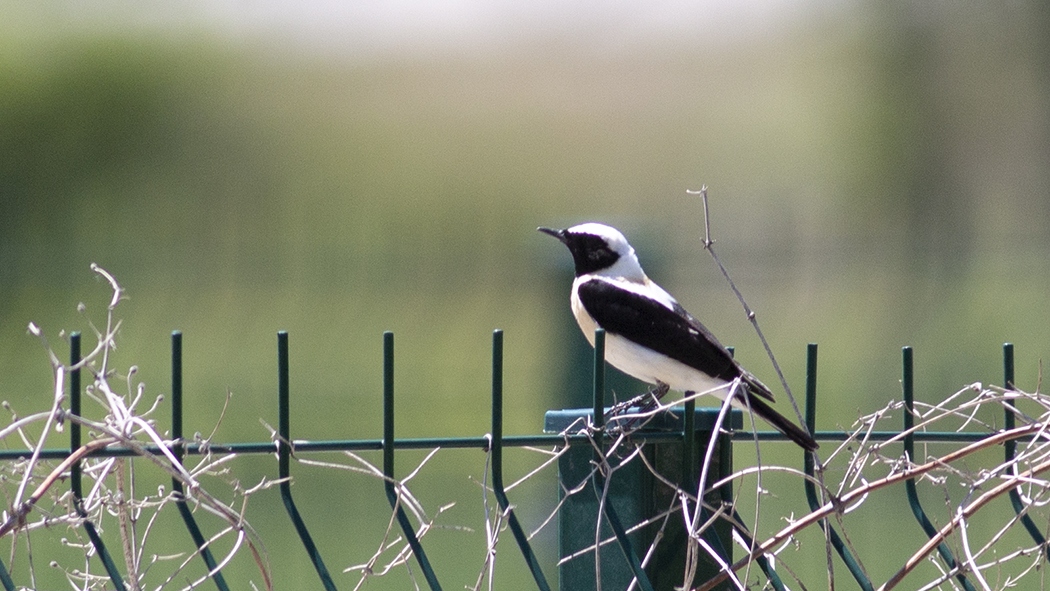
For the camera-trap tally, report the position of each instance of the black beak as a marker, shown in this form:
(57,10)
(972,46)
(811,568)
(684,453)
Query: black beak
(559,234)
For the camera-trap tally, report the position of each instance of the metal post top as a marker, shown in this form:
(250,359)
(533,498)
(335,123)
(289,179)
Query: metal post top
(556,421)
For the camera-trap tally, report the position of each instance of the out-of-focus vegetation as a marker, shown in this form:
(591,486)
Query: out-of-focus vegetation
(878,178)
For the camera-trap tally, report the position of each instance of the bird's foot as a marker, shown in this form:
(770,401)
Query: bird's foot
(651,399)
(642,405)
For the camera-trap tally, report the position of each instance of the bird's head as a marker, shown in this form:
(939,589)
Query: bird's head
(600,249)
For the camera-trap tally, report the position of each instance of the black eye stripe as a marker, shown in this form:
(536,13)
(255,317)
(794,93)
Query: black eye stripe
(591,253)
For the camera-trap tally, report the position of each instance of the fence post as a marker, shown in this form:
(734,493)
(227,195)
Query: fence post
(637,496)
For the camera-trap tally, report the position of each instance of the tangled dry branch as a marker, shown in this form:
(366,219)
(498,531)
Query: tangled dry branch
(124,422)
(995,556)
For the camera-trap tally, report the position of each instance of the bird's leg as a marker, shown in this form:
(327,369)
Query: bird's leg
(655,393)
(620,407)
(660,390)
(654,396)
(644,403)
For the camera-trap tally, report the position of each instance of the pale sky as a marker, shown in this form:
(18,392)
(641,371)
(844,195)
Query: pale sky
(408,25)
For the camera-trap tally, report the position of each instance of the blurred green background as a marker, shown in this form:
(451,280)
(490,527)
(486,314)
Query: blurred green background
(878,176)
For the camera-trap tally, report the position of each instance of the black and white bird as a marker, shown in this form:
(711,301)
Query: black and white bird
(649,335)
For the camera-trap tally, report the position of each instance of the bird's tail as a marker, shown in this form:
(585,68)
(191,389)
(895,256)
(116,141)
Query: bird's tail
(781,423)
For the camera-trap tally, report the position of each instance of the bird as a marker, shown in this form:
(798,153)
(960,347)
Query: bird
(649,335)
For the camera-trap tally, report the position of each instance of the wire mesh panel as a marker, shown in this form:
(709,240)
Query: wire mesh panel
(648,495)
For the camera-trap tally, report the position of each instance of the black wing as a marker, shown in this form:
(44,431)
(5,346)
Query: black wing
(674,333)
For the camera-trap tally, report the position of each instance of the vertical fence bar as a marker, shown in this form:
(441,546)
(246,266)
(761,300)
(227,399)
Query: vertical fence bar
(178,448)
(719,535)
(1011,450)
(75,475)
(809,465)
(1008,383)
(392,493)
(690,480)
(611,515)
(811,393)
(284,452)
(497,464)
(75,478)
(6,580)
(764,562)
(908,388)
(689,476)
(598,385)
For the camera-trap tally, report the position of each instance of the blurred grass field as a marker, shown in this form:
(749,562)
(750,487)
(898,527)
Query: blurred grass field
(874,184)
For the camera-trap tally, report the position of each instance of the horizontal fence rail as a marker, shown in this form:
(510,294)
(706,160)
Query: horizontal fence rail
(284,446)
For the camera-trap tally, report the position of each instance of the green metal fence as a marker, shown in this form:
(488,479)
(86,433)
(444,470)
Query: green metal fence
(677,442)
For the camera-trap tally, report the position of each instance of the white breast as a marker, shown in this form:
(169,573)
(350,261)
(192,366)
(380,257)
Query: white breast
(644,363)
(652,367)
